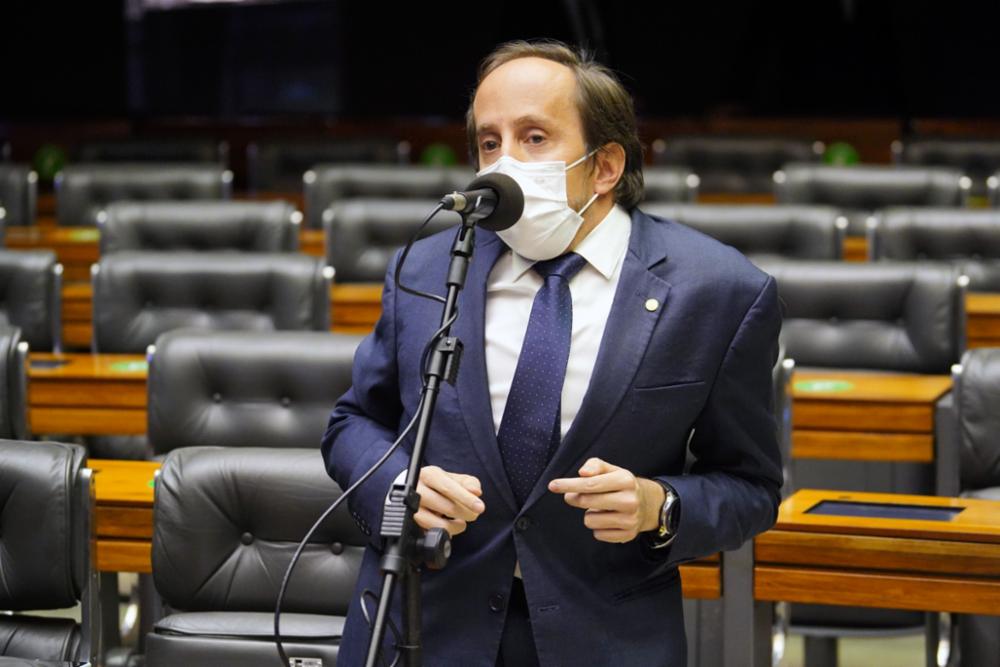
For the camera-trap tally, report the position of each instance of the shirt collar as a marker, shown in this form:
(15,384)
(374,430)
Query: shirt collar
(603,247)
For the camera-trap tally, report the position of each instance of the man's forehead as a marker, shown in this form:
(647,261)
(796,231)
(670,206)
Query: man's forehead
(535,86)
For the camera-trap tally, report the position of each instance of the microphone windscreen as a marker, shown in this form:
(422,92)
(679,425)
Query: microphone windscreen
(510,201)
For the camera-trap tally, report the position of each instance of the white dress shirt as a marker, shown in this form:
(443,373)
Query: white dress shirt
(510,291)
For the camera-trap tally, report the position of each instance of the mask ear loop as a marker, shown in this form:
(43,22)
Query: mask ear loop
(587,205)
(582,159)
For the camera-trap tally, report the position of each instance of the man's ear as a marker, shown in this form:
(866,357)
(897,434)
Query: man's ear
(609,164)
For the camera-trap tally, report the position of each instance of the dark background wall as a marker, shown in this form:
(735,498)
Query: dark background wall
(368,59)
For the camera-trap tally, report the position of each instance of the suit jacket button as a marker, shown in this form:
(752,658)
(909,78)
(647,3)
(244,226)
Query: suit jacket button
(497,602)
(522,524)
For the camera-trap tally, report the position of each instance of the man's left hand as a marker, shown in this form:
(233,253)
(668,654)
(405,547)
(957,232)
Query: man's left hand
(618,504)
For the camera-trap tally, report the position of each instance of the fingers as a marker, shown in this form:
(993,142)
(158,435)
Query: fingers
(440,504)
(617,479)
(626,502)
(596,466)
(427,520)
(447,485)
(597,520)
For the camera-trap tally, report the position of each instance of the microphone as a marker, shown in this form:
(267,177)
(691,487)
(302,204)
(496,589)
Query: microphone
(492,201)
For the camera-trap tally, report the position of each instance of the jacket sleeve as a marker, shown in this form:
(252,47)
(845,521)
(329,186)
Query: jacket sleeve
(366,420)
(733,490)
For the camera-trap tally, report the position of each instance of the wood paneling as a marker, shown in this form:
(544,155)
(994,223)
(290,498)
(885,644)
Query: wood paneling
(882,590)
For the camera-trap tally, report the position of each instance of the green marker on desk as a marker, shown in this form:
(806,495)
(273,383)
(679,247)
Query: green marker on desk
(129,366)
(824,385)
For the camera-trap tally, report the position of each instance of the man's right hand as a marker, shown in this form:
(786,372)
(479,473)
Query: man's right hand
(448,500)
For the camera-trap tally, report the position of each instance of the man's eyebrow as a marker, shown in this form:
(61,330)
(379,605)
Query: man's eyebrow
(526,120)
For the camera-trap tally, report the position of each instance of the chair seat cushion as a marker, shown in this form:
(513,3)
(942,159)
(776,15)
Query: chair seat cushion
(39,638)
(252,625)
(209,639)
(989,493)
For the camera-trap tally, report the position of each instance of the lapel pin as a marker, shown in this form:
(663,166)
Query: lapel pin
(652,305)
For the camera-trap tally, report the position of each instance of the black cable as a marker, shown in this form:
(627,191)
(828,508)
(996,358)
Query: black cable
(406,251)
(305,540)
(375,466)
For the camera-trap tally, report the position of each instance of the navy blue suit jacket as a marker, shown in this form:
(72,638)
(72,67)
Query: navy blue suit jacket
(696,372)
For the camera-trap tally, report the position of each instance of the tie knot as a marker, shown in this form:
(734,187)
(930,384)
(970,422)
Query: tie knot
(565,266)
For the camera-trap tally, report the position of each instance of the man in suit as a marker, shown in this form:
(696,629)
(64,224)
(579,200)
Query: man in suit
(600,345)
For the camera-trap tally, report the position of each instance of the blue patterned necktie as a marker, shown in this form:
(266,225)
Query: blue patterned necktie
(530,429)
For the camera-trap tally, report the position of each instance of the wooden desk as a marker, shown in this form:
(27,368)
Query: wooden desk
(865,416)
(123,522)
(124,526)
(85,394)
(354,308)
(982,311)
(79,247)
(895,563)
(922,565)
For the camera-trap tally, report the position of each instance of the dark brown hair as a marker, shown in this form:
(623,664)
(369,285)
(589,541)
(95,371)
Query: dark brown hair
(605,107)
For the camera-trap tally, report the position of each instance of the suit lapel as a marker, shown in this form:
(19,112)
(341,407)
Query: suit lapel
(623,345)
(473,384)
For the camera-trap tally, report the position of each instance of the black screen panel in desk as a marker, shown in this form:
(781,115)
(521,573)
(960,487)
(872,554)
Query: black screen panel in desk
(885,510)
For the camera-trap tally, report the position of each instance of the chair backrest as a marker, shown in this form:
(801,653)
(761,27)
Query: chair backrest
(735,163)
(280,165)
(31,296)
(84,190)
(154,150)
(969,238)
(976,158)
(327,184)
(45,541)
(225,524)
(139,295)
(669,184)
(883,316)
(859,190)
(362,234)
(977,395)
(200,226)
(18,194)
(799,232)
(245,389)
(13,382)
(993,187)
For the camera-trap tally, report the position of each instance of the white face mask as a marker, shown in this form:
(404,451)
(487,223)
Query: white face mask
(548,225)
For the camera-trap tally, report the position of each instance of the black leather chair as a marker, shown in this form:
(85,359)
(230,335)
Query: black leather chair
(327,184)
(139,295)
(279,165)
(31,296)
(968,238)
(154,150)
(903,317)
(977,395)
(976,158)
(14,382)
(45,535)
(738,164)
(200,226)
(245,389)
(83,190)
(860,190)
(226,522)
(795,232)
(670,184)
(18,194)
(362,234)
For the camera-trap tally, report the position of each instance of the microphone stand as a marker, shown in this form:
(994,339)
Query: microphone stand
(407,547)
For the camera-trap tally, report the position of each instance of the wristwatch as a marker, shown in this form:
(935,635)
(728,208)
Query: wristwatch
(670,513)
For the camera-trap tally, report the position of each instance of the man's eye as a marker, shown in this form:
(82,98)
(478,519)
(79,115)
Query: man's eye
(489,145)
(536,139)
